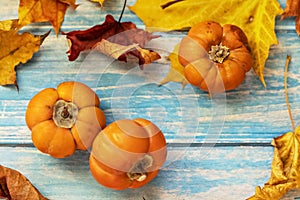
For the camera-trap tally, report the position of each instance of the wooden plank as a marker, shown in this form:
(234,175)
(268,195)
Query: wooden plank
(190,173)
(251,113)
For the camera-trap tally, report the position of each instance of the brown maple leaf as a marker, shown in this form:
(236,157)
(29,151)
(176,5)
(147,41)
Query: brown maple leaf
(292,10)
(52,11)
(14,185)
(120,33)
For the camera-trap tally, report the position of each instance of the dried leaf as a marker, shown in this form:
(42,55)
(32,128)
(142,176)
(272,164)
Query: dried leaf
(16,49)
(255,17)
(285,167)
(124,34)
(9,25)
(101,2)
(14,185)
(292,10)
(112,49)
(52,11)
(176,73)
(123,53)
(285,173)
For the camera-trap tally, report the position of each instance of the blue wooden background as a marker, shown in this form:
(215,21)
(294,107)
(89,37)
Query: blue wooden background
(217,148)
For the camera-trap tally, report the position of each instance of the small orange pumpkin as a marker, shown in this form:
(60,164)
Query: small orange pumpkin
(128,154)
(215,58)
(64,119)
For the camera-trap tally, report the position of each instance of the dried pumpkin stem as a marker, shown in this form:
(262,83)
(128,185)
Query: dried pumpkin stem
(218,53)
(138,171)
(287,62)
(64,114)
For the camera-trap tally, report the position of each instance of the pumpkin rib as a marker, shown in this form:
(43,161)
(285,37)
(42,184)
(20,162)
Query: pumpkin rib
(208,83)
(198,67)
(157,148)
(50,139)
(84,141)
(232,72)
(92,115)
(62,144)
(41,135)
(247,62)
(189,49)
(101,173)
(78,93)
(40,107)
(212,33)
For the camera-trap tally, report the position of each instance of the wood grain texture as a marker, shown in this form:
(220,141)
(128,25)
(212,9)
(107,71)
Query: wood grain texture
(251,113)
(237,127)
(195,173)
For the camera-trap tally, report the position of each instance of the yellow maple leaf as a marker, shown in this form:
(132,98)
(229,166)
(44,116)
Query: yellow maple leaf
(255,17)
(15,49)
(176,73)
(101,2)
(52,11)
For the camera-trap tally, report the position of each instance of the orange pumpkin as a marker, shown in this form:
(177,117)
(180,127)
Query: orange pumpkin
(64,119)
(128,154)
(215,58)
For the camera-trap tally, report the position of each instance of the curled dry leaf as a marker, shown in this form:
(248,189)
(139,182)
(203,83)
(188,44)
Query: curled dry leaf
(292,10)
(15,49)
(120,35)
(255,17)
(52,11)
(285,174)
(126,53)
(14,185)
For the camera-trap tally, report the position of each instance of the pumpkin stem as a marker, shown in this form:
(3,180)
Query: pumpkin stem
(287,62)
(64,114)
(218,53)
(138,171)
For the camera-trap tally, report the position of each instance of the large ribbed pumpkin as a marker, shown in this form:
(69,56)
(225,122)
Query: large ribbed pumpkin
(215,58)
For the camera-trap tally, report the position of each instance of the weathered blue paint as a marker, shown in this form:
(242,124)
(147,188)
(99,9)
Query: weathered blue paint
(251,115)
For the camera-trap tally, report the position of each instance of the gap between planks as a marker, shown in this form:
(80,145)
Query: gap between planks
(174,145)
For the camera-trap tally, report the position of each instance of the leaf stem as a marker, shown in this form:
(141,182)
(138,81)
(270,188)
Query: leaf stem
(123,9)
(287,62)
(168,4)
